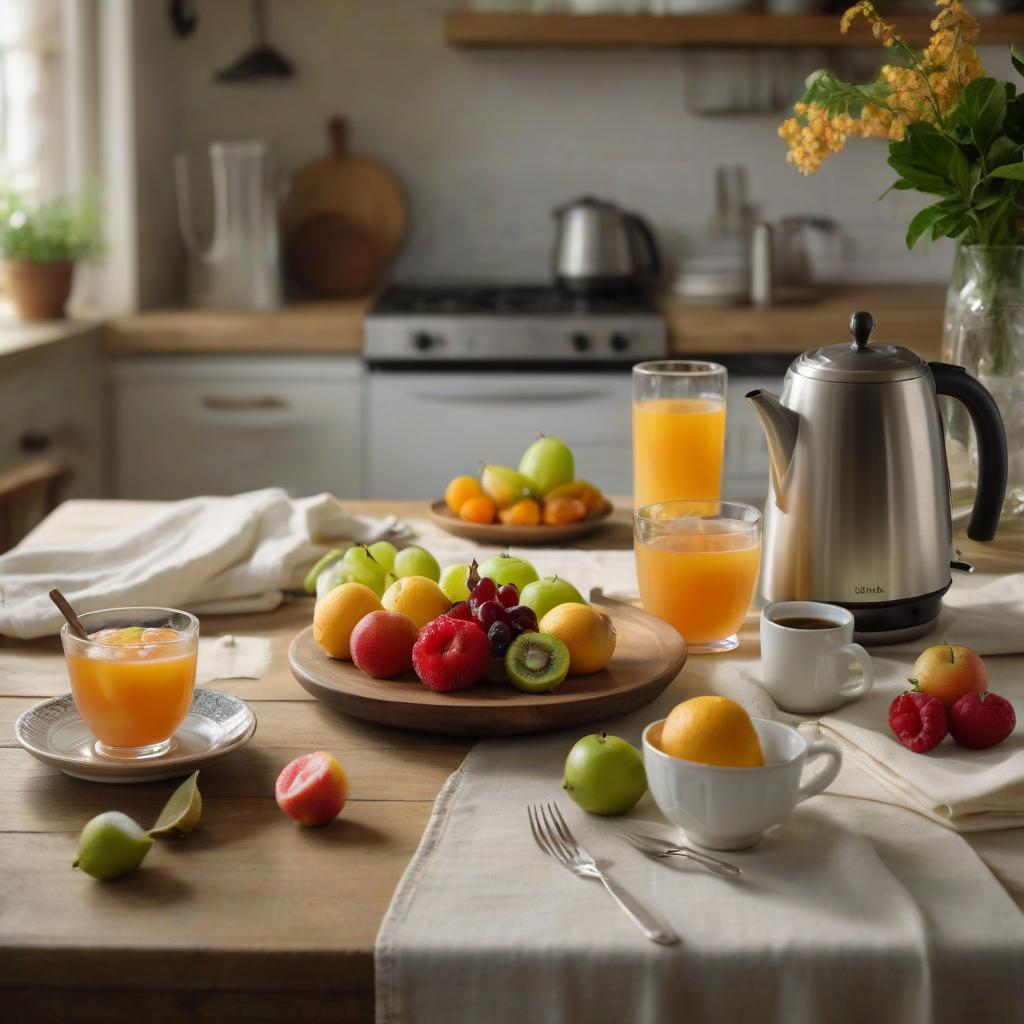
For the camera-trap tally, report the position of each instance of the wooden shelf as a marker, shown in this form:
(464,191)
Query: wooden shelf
(486,29)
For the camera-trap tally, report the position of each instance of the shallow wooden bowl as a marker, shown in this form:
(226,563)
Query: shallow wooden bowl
(500,535)
(649,654)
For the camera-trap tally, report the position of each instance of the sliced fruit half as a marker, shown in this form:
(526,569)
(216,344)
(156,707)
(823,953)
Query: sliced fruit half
(536,662)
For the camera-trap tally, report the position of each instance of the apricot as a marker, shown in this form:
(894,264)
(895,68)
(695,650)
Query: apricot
(312,789)
(478,510)
(522,513)
(564,510)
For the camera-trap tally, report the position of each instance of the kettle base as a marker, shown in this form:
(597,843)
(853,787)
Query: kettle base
(892,636)
(893,622)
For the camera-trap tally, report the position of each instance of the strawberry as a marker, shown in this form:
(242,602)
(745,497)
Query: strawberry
(980,720)
(451,654)
(919,721)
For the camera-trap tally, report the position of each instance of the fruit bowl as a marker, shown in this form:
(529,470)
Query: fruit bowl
(649,654)
(502,535)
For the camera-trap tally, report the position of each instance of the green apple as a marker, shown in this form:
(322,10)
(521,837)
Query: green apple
(416,561)
(543,595)
(508,569)
(361,567)
(547,464)
(604,774)
(384,554)
(453,582)
(111,845)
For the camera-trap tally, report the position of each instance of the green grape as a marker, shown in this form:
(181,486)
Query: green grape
(361,567)
(416,561)
(384,553)
(453,583)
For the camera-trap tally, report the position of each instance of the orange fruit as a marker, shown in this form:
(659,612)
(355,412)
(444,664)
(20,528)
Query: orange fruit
(478,510)
(417,598)
(336,615)
(712,730)
(593,500)
(522,513)
(460,490)
(564,510)
(586,631)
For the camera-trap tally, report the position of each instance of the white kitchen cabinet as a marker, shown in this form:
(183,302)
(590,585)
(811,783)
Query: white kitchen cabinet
(50,407)
(187,425)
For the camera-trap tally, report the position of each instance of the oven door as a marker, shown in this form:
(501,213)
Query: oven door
(423,428)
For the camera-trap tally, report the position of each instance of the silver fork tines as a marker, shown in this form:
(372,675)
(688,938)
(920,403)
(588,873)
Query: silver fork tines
(660,850)
(552,834)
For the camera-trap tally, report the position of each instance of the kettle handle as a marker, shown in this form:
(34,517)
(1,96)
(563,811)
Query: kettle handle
(643,229)
(957,383)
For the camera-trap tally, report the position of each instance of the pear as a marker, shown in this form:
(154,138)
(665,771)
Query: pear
(547,464)
(111,845)
(181,813)
(504,485)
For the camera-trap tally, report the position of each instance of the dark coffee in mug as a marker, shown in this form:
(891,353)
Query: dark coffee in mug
(805,622)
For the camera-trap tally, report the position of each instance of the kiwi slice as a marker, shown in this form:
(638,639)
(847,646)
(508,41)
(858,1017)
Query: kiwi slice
(536,662)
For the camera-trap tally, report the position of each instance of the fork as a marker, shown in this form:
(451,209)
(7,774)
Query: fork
(659,851)
(553,836)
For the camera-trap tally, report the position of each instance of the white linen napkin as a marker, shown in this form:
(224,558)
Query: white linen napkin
(209,555)
(232,657)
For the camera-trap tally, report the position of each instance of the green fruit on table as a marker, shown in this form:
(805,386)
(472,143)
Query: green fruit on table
(604,774)
(453,582)
(384,554)
(508,569)
(362,567)
(504,485)
(547,464)
(331,577)
(416,561)
(111,845)
(182,812)
(321,565)
(548,593)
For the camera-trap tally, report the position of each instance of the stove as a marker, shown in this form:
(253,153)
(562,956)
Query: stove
(512,327)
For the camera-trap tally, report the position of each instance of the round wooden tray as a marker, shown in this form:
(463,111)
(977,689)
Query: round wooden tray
(649,654)
(502,536)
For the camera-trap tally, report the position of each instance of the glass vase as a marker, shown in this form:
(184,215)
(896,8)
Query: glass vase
(984,333)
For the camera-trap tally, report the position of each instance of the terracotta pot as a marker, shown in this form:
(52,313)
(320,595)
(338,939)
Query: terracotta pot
(39,290)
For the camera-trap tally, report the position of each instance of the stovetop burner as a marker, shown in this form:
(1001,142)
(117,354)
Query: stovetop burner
(504,300)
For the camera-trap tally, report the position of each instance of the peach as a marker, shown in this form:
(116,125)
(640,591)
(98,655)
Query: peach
(948,671)
(382,644)
(312,789)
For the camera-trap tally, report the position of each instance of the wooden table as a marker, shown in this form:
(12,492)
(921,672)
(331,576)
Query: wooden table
(252,918)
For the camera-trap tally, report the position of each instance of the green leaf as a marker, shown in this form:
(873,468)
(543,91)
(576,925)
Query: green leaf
(899,185)
(1013,172)
(1017,57)
(931,161)
(1003,151)
(981,110)
(923,222)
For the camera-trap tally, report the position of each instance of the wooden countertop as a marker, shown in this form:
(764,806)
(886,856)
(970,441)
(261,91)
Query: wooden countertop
(908,315)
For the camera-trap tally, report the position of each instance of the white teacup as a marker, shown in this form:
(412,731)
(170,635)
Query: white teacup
(808,670)
(730,808)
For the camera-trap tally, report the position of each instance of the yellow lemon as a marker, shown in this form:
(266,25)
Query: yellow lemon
(417,598)
(712,730)
(587,632)
(337,613)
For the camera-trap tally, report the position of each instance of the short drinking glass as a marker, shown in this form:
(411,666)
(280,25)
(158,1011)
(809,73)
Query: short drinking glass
(697,563)
(678,430)
(133,678)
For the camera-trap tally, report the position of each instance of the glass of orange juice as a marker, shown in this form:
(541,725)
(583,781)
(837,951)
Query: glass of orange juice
(133,678)
(678,430)
(697,563)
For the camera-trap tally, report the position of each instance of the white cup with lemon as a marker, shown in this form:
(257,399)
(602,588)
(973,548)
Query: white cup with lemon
(725,778)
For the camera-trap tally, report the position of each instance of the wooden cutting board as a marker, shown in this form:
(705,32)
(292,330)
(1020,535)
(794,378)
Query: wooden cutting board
(344,220)
(649,654)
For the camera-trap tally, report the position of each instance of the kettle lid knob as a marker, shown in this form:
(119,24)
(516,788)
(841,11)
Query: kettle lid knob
(862,323)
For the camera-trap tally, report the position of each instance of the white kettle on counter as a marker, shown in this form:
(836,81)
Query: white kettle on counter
(241,267)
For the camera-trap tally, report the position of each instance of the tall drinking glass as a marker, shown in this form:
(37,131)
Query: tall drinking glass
(697,563)
(678,430)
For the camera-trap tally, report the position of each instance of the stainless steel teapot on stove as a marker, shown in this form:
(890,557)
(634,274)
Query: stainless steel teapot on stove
(859,510)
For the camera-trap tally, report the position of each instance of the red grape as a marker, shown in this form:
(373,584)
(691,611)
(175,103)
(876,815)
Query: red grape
(460,610)
(524,617)
(485,590)
(500,636)
(508,595)
(491,611)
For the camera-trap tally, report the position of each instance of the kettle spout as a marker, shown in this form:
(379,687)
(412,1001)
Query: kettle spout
(780,427)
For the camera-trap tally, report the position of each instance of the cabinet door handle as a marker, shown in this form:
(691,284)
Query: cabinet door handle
(32,441)
(241,403)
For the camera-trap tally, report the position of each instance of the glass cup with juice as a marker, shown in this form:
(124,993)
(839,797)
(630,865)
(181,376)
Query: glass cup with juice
(697,564)
(678,430)
(134,676)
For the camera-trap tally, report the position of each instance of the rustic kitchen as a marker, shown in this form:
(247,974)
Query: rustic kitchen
(450,442)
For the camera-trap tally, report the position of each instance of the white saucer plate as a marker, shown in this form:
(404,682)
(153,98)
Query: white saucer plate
(54,732)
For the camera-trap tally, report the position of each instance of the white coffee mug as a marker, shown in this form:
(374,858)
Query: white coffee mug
(808,669)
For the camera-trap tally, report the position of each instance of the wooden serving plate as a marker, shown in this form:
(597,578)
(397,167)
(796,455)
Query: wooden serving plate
(649,654)
(500,535)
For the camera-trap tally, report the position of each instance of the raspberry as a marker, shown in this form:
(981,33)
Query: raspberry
(451,654)
(918,720)
(981,720)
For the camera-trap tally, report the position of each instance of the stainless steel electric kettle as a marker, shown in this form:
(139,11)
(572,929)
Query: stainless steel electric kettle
(859,508)
(600,248)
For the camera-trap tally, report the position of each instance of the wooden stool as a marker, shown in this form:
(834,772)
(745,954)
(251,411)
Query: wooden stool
(28,493)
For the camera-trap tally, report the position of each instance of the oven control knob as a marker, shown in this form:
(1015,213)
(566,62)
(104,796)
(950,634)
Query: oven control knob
(619,342)
(422,341)
(580,341)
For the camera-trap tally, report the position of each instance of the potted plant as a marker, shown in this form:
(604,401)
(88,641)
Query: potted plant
(956,136)
(40,242)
